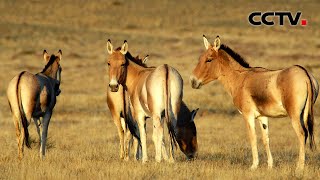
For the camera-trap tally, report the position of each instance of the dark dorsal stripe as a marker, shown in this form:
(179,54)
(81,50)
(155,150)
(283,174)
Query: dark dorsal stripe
(235,56)
(51,61)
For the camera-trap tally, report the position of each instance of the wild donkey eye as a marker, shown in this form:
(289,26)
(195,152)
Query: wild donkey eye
(209,60)
(108,64)
(122,64)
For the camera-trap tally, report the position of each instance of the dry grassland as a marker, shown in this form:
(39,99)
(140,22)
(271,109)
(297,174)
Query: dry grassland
(83,143)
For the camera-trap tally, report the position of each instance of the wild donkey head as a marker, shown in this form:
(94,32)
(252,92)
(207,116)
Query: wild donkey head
(207,68)
(186,131)
(117,65)
(53,68)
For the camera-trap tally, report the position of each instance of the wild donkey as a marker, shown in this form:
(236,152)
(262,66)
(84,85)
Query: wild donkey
(153,92)
(259,93)
(34,96)
(117,102)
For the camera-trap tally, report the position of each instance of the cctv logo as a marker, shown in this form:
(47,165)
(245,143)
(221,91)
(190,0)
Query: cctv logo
(268,18)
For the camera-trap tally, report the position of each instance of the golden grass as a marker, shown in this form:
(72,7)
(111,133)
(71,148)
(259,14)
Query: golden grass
(83,142)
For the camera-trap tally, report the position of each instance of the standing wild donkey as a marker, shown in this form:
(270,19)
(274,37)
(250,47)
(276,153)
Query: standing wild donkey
(34,96)
(185,128)
(116,102)
(259,93)
(155,93)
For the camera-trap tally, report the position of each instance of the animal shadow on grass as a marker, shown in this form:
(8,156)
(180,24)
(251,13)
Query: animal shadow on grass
(243,157)
(226,158)
(35,143)
(290,157)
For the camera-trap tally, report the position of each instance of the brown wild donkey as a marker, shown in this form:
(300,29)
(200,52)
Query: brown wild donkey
(185,129)
(259,93)
(116,103)
(153,92)
(32,97)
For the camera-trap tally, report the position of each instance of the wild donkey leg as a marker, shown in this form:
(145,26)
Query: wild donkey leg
(164,151)
(265,138)
(300,133)
(137,148)
(21,143)
(38,124)
(127,138)
(46,121)
(143,137)
(117,121)
(171,150)
(157,135)
(19,133)
(253,140)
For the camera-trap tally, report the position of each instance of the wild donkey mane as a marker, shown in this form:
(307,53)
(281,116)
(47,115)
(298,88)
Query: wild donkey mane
(235,56)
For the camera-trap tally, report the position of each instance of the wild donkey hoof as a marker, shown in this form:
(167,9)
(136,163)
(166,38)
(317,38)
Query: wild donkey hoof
(270,166)
(158,160)
(42,157)
(121,156)
(299,172)
(171,160)
(144,161)
(126,158)
(254,167)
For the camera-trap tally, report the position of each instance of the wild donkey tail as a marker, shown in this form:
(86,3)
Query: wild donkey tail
(313,90)
(312,94)
(167,111)
(130,121)
(24,121)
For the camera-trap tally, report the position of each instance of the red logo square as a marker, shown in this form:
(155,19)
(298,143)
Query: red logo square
(304,22)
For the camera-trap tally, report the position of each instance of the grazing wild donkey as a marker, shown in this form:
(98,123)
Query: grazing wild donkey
(34,96)
(186,131)
(153,92)
(185,128)
(116,102)
(259,93)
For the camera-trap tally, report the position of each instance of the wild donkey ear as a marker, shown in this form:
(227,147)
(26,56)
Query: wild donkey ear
(217,43)
(145,59)
(206,42)
(109,47)
(60,54)
(46,56)
(124,48)
(194,113)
